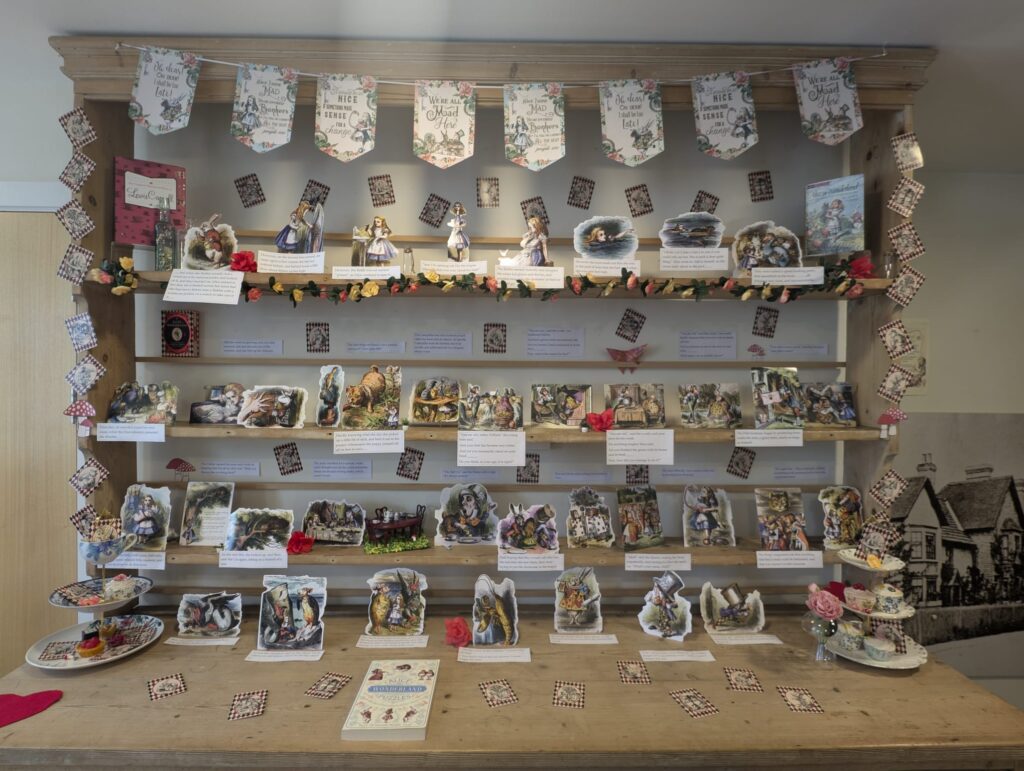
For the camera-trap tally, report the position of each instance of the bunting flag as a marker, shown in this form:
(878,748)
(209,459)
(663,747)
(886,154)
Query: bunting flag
(444,121)
(261,118)
(346,115)
(723,108)
(534,124)
(827,93)
(165,84)
(631,126)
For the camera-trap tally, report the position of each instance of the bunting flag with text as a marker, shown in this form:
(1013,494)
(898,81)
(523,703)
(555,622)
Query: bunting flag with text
(631,126)
(261,118)
(346,115)
(165,84)
(534,124)
(723,107)
(444,121)
(827,93)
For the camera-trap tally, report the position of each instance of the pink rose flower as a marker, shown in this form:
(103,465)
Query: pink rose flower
(784,297)
(632,281)
(106,278)
(823,604)
(729,284)
(254,294)
(576,285)
(491,283)
(465,88)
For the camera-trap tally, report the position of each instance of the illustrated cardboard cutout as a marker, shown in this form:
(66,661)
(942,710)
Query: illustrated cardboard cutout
(844,516)
(639,518)
(222,405)
(780,519)
(692,230)
(373,402)
(590,521)
(337,522)
(434,401)
(500,409)
(636,405)
(210,615)
(153,403)
(560,405)
(291,613)
(710,405)
(258,529)
(209,246)
(829,404)
(204,519)
(605,238)
(728,611)
(273,406)
(707,517)
(397,604)
(666,613)
(578,602)
(778,398)
(332,385)
(765,245)
(466,516)
(533,529)
(495,612)
(146,513)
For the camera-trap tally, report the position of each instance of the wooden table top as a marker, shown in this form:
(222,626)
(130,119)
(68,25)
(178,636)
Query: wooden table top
(930,718)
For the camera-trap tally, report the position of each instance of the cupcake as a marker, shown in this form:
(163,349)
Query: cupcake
(90,646)
(879,648)
(860,599)
(120,587)
(850,635)
(888,599)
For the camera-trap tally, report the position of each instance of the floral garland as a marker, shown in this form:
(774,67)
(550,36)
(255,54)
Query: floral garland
(119,274)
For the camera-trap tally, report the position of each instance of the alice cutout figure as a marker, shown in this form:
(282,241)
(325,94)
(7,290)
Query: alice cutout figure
(380,250)
(458,241)
(534,243)
(305,229)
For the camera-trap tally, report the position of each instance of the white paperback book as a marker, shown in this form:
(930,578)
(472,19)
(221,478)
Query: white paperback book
(393,703)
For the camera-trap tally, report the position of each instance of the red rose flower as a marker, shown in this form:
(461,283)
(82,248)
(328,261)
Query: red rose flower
(576,285)
(838,588)
(600,421)
(254,294)
(729,284)
(862,267)
(244,262)
(300,543)
(456,632)
(395,289)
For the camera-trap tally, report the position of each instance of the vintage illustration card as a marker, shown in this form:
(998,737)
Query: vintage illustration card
(905,196)
(741,679)
(760,184)
(150,403)
(780,519)
(498,693)
(694,703)
(896,339)
(248,704)
(741,462)
(258,529)
(488,192)
(636,405)
(397,605)
(844,516)
(146,512)
(638,197)
(581,191)
(373,402)
(529,474)
(906,241)
(888,488)
(75,264)
(895,383)
(410,463)
(778,399)
(639,517)
(168,685)
(799,700)
(77,171)
(590,522)
(222,405)
(829,404)
(434,401)
(291,613)
(210,615)
(907,152)
(606,238)
(272,406)
(88,477)
(560,405)
(382,191)
(835,215)
(83,518)
(569,694)
(466,516)
(335,522)
(704,202)
(328,406)
(638,474)
(500,409)
(81,332)
(710,405)
(328,685)
(250,191)
(633,672)
(906,286)
(434,209)
(666,613)
(318,337)
(578,602)
(289,461)
(78,128)
(765,245)
(766,319)
(707,517)
(630,325)
(528,529)
(179,334)
(85,374)
(495,612)
(204,519)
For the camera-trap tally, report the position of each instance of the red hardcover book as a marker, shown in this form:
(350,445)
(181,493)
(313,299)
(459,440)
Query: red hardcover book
(138,187)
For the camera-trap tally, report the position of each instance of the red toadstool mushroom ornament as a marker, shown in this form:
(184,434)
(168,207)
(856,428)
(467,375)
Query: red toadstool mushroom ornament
(891,418)
(80,411)
(181,468)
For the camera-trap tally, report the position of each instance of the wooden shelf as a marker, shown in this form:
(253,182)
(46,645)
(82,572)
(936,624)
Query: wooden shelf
(745,554)
(400,485)
(535,434)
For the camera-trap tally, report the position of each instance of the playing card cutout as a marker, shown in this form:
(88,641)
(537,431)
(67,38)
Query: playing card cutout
(741,462)
(705,202)
(760,184)
(826,91)
(328,685)
(89,476)
(495,337)
(887,489)
(633,673)
(896,339)
(83,518)
(410,462)
(765,321)
(569,694)
(85,374)
(78,128)
(630,325)
(250,191)
(638,474)
(895,383)
(639,199)
(75,264)
(443,121)
(315,191)
(487,192)
(434,210)
(534,207)
(905,196)
(82,332)
(632,130)
(530,473)
(318,337)
(799,700)
(581,191)
(248,704)
(168,685)
(907,152)
(906,241)
(742,680)
(382,190)
(77,171)
(498,693)
(693,702)
(288,459)
(906,286)
(75,220)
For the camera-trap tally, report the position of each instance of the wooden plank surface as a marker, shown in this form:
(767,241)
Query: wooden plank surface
(931,718)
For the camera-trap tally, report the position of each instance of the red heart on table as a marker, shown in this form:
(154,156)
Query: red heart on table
(14,707)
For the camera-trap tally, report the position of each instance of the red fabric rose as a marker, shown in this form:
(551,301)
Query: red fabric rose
(600,421)
(456,632)
(300,543)
(254,294)
(244,262)
(862,267)
(838,588)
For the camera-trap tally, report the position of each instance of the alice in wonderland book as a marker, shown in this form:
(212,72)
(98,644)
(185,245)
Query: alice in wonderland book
(393,703)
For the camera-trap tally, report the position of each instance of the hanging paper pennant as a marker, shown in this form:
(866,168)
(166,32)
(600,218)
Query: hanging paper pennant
(534,124)
(264,105)
(165,84)
(829,106)
(444,121)
(723,107)
(346,115)
(631,126)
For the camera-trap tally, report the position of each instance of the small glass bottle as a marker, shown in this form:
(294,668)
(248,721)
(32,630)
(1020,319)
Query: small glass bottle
(165,239)
(408,267)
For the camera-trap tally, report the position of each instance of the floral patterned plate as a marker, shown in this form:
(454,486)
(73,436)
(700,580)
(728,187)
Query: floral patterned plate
(57,651)
(906,611)
(889,563)
(915,656)
(87,595)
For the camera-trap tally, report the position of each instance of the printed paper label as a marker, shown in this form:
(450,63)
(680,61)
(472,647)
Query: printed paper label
(534,124)
(269,657)
(444,121)
(676,656)
(242,347)
(442,343)
(656,562)
(469,654)
(769,437)
(680,260)
(723,107)
(266,558)
(554,343)
(789,559)
(375,346)
(446,268)
(688,473)
(744,639)
(219,287)
(365,272)
(201,641)
(531,562)
(631,125)
(278,262)
(707,344)
(346,115)
(651,446)
(261,118)
(147,191)
(470,474)
(797,351)
(398,641)
(802,472)
(130,432)
(358,442)
(140,560)
(583,639)
(229,469)
(582,477)
(582,266)
(342,469)
(543,278)
(491,448)
(812,276)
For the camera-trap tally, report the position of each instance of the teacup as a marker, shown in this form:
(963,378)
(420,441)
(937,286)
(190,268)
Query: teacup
(850,635)
(102,552)
(860,599)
